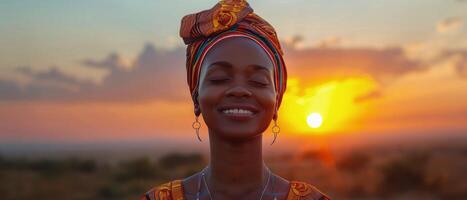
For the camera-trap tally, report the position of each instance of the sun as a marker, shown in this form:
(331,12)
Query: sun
(330,107)
(314,120)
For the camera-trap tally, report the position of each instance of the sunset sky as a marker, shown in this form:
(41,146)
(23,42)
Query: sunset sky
(115,70)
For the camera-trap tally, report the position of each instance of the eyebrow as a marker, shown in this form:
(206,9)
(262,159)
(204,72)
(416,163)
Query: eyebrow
(223,64)
(259,67)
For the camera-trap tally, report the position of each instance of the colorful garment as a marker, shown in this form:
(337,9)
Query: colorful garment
(174,191)
(229,18)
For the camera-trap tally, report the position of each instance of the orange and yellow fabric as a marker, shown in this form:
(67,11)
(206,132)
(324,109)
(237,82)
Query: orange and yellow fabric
(174,191)
(229,18)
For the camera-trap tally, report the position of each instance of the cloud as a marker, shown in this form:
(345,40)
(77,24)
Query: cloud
(458,60)
(462,70)
(51,75)
(113,61)
(318,65)
(369,96)
(449,25)
(158,74)
(155,74)
(51,84)
(331,41)
(321,64)
(9,90)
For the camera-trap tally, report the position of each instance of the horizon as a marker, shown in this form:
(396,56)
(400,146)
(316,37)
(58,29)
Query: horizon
(91,72)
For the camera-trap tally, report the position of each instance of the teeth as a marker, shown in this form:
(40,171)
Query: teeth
(237,111)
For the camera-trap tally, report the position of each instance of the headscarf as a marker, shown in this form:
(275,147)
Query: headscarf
(227,19)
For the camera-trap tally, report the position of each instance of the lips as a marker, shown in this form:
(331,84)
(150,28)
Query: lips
(238,111)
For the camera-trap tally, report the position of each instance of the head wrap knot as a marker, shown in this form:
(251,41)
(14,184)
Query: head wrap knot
(229,18)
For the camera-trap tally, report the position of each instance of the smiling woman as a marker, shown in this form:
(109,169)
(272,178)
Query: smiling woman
(237,78)
(236,92)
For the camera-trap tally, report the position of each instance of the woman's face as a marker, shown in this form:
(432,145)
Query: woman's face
(236,89)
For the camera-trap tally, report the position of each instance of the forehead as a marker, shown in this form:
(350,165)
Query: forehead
(238,52)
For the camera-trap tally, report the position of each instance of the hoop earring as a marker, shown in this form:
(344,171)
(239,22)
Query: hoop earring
(196,125)
(275,130)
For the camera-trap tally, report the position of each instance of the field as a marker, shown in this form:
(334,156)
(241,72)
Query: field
(421,172)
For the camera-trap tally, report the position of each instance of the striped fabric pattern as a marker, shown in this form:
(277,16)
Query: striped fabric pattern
(229,18)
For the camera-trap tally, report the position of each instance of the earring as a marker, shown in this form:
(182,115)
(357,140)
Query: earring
(275,130)
(196,125)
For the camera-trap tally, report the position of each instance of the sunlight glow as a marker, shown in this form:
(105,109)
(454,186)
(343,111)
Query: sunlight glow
(314,120)
(339,103)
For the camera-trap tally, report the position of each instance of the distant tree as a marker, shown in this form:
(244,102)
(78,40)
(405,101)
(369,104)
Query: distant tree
(109,192)
(404,174)
(48,168)
(311,155)
(2,161)
(139,168)
(84,166)
(354,162)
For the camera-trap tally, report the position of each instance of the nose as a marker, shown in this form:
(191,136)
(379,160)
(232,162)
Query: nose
(238,91)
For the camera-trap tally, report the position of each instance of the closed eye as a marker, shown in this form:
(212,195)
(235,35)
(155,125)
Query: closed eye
(259,83)
(218,80)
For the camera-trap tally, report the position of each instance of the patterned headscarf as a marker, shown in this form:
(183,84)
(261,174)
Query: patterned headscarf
(229,18)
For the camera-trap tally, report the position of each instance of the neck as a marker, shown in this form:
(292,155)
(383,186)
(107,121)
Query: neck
(236,168)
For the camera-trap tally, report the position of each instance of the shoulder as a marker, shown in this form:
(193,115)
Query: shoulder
(305,191)
(168,191)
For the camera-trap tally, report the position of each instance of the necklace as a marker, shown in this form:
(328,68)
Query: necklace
(209,192)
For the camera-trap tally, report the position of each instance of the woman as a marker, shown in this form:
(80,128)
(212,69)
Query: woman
(237,78)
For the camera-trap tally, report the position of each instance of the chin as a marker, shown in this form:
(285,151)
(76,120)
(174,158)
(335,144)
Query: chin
(238,133)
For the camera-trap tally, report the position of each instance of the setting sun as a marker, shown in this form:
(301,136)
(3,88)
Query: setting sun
(314,120)
(327,107)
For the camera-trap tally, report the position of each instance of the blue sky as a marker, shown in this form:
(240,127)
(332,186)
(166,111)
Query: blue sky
(48,33)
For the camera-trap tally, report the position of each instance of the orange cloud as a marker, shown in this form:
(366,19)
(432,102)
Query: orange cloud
(318,64)
(448,25)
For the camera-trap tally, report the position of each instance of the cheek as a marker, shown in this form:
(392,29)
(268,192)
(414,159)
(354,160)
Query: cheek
(207,98)
(267,100)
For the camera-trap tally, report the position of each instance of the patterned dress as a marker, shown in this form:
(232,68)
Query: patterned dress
(174,191)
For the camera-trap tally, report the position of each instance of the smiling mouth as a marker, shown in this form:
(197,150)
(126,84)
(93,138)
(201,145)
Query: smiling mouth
(239,112)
